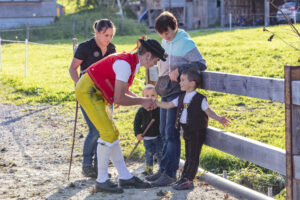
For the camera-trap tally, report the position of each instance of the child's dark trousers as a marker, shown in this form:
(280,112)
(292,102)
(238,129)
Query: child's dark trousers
(193,143)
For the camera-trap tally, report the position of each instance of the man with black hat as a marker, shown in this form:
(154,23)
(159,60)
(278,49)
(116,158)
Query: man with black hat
(107,82)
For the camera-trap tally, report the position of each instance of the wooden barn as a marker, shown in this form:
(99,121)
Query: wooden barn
(15,13)
(194,14)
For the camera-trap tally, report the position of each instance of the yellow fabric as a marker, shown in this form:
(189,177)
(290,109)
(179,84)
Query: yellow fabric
(96,108)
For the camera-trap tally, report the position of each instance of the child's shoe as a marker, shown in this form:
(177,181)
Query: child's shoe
(148,171)
(183,184)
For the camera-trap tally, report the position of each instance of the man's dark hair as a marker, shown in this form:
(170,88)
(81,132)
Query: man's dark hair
(193,74)
(153,47)
(165,20)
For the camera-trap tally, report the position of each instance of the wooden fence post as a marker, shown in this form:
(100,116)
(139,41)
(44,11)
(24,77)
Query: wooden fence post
(292,129)
(74,45)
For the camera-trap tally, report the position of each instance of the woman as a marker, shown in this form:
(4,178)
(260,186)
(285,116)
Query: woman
(87,54)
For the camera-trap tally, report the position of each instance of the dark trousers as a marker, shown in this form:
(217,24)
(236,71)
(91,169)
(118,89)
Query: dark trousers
(171,137)
(193,144)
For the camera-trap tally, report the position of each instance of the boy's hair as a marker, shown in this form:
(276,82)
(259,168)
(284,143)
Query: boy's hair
(193,74)
(165,20)
(148,87)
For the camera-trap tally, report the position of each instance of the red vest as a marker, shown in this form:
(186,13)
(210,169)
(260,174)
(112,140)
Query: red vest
(104,77)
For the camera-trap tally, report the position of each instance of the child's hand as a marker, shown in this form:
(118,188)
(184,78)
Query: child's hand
(224,121)
(139,137)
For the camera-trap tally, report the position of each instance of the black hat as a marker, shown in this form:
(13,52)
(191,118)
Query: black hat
(154,47)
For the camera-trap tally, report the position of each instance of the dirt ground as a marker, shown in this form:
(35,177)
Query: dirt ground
(35,143)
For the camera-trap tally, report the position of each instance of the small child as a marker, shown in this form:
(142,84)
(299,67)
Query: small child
(192,115)
(152,140)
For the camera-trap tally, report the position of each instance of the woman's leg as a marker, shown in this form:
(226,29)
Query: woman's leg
(90,143)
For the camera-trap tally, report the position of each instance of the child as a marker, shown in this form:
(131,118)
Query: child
(192,115)
(152,140)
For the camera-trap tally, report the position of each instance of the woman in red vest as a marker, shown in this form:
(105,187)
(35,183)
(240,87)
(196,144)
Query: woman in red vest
(107,82)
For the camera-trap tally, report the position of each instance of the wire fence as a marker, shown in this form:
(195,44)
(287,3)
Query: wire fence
(27,44)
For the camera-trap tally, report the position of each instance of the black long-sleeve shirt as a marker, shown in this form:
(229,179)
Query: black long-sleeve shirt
(143,118)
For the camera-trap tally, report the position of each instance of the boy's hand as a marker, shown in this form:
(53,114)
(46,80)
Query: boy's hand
(139,137)
(224,121)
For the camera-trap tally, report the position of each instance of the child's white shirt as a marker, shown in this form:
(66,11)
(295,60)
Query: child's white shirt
(187,99)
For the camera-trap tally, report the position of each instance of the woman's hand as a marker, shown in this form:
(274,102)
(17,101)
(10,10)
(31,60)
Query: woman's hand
(149,104)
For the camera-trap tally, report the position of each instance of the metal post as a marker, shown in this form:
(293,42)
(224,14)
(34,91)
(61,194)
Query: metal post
(222,13)
(267,12)
(73,27)
(27,31)
(122,16)
(25,70)
(230,21)
(1,54)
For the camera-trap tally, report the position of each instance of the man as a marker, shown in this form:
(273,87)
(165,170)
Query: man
(107,82)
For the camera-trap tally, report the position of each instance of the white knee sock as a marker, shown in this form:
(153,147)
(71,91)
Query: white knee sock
(104,152)
(116,157)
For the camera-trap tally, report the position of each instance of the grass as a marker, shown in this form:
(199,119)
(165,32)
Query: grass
(240,51)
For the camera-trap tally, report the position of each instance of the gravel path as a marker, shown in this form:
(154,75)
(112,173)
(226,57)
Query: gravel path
(35,143)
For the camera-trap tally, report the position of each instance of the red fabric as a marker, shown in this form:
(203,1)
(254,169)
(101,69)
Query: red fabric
(104,77)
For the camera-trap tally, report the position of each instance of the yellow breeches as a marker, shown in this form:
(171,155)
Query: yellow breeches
(97,108)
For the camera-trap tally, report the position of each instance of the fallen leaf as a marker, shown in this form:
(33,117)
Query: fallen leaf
(226,196)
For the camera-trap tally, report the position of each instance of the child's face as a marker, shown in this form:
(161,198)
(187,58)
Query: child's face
(185,84)
(150,93)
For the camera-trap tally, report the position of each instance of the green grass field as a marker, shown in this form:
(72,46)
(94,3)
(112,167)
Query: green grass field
(240,51)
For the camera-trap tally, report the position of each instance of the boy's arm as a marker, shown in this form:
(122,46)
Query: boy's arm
(165,105)
(222,119)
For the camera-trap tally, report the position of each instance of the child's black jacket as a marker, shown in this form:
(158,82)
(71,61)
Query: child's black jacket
(143,118)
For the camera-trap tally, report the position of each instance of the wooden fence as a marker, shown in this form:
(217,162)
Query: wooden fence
(287,90)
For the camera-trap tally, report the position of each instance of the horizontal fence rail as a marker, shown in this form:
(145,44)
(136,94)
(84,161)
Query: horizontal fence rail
(264,155)
(251,86)
(272,89)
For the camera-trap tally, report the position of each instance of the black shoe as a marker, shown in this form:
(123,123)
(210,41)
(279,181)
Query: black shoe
(154,176)
(163,180)
(89,171)
(108,186)
(134,182)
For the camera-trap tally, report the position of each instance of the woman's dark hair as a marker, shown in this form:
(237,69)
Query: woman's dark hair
(165,20)
(193,74)
(103,24)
